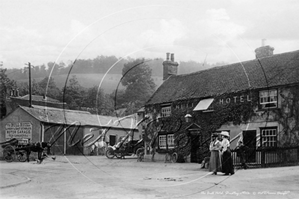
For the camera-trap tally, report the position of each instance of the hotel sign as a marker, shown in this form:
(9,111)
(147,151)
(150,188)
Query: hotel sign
(235,99)
(21,130)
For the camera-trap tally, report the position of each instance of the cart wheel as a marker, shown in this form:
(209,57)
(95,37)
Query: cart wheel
(174,157)
(140,154)
(8,153)
(21,156)
(110,153)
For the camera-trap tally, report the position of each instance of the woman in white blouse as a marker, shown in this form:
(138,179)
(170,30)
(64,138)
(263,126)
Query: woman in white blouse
(227,164)
(215,157)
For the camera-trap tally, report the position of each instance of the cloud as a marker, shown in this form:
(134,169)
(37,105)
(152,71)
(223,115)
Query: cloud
(271,19)
(214,31)
(280,25)
(20,44)
(169,31)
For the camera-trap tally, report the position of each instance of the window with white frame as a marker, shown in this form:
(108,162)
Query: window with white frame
(170,141)
(166,111)
(162,142)
(166,141)
(269,137)
(268,99)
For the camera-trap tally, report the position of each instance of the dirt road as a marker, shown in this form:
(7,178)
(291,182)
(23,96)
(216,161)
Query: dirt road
(73,177)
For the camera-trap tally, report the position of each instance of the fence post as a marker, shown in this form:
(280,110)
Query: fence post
(298,154)
(263,157)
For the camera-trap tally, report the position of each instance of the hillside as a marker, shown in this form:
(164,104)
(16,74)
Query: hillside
(109,82)
(90,72)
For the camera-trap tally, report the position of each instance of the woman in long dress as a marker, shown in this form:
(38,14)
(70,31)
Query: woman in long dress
(215,158)
(227,164)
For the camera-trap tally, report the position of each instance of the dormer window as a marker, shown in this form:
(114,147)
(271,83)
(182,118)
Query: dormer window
(166,110)
(268,99)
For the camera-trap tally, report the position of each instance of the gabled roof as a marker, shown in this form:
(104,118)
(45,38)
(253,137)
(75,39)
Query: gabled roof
(276,70)
(84,118)
(39,98)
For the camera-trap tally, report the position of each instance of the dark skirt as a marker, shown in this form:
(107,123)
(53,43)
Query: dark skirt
(227,165)
(215,161)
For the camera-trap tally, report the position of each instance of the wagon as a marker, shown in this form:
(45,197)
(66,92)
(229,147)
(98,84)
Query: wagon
(11,152)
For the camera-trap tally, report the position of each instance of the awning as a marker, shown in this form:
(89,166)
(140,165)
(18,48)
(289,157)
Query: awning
(203,104)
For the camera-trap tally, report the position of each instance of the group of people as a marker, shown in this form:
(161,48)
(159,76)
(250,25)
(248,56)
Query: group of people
(220,158)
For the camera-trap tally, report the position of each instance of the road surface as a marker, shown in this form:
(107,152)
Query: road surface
(94,177)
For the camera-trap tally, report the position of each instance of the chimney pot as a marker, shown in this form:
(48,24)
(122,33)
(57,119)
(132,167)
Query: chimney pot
(168,56)
(263,51)
(263,42)
(172,56)
(169,67)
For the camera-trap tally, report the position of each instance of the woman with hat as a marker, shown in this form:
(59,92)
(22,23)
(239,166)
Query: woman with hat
(227,165)
(215,157)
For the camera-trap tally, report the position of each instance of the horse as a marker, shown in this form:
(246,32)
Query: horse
(98,145)
(38,147)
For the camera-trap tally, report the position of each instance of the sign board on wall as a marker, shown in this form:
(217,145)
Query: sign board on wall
(20,131)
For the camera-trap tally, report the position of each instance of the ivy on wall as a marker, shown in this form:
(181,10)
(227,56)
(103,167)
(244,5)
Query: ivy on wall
(223,113)
(209,122)
(288,117)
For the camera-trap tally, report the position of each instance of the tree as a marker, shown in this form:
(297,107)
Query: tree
(56,67)
(5,85)
(107,106)
(49,86)
(73,93)
(138,82)
(97,102)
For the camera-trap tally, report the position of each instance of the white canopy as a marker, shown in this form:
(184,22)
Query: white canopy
(203,104)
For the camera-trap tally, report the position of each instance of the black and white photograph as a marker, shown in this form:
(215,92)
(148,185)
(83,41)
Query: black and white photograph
(140,99)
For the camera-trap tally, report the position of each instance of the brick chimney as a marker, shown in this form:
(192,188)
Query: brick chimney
(170,67)
(263,51)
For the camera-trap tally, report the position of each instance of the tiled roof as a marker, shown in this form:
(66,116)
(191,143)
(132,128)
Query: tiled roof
(39,98)
(276,70)
(84,118)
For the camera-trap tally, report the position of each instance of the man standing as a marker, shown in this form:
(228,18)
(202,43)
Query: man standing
(241,153)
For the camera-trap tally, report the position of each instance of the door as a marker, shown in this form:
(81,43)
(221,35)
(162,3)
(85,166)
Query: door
(112,140)
(195,148)
(73,134)
(54,135)
(249,139)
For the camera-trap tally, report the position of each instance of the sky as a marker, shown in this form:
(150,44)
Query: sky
(40,31)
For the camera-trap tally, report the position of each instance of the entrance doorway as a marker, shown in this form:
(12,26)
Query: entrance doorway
(195,148)
(249,139)
(112,140)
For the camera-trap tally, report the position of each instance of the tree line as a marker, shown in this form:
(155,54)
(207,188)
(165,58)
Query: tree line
(100,65)
(136,78)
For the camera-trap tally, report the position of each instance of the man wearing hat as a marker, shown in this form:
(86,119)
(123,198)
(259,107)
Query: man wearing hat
(241,153)
(227,164)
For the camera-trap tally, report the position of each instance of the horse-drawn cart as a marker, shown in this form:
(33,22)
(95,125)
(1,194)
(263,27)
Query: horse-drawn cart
(21,150)
(12,150)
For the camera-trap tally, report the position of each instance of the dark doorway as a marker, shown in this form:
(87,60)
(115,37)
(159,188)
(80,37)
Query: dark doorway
(54,134)
(112,140)
(73,134)
(195,148)
(249,139)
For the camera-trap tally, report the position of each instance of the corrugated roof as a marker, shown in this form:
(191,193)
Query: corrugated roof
(84,118)
(276,70)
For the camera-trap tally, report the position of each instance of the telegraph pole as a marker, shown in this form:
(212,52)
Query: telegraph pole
(29,71)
